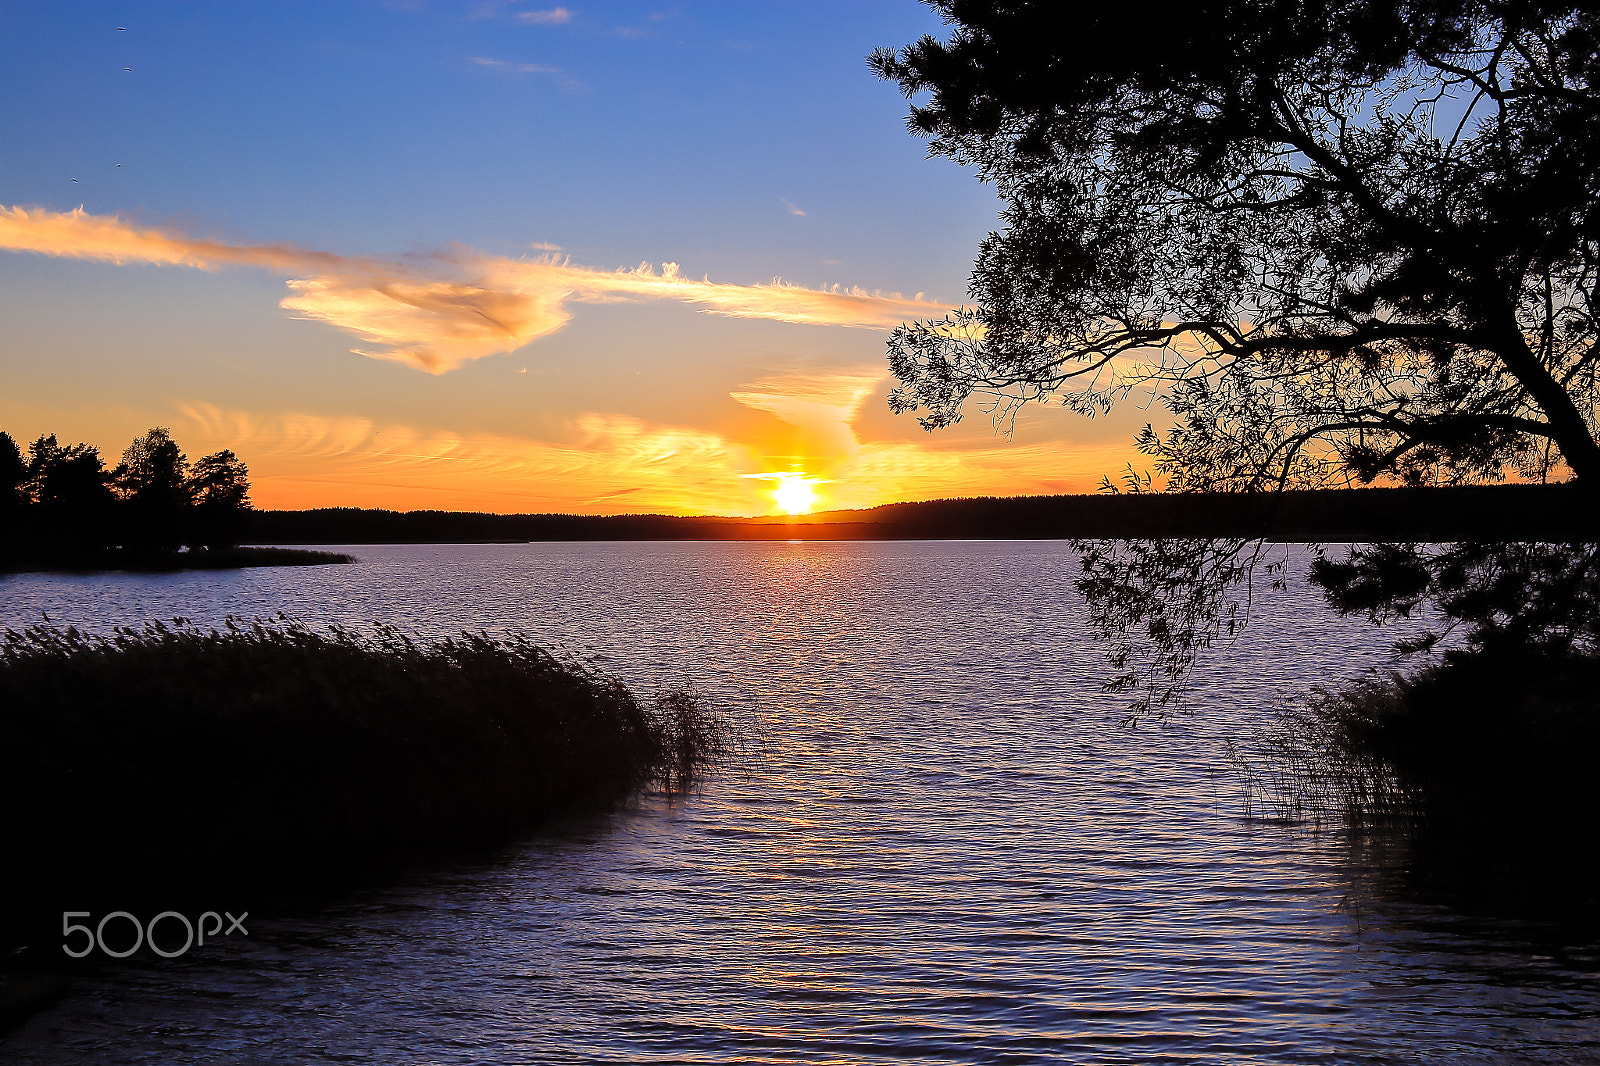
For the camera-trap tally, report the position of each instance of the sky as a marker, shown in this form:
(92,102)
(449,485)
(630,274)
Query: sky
(599,258)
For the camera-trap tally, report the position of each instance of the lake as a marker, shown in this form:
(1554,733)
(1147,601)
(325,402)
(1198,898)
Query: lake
(943,847)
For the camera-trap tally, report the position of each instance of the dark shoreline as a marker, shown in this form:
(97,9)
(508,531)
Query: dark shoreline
(1499,512)
(194,559)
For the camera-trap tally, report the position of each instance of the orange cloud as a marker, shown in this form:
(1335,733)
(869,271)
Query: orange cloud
(777,301)
(77,234)
(438,312)
(824,406)
(610,464)
(821,404)
(432,325)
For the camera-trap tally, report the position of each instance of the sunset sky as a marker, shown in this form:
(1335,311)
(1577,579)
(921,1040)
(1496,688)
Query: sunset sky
(517,257)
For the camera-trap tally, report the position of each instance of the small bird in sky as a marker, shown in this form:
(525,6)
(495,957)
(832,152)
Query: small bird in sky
(122,27)
(119,164)
(129,69)
(74,179)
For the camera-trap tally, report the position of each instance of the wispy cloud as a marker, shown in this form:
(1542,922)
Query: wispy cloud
(303,460)
(553,16)
(77,234)
(793,210)
(821,404)
(432,325)
(438,312)
(647,29)
(515,68)
(550,16)
(840,391)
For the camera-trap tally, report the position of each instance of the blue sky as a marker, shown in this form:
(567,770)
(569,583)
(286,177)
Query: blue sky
(446,143)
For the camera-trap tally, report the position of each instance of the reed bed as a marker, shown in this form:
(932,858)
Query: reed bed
(1315,760)
(272,755)
(1483,757)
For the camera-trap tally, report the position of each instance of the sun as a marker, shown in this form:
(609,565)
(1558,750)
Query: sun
(794,490)
(796,493)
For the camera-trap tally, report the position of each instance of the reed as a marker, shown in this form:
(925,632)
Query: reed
(1480,754)
(1315,760)
(274,756)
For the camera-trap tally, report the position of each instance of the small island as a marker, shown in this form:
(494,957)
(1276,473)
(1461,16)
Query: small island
(61,508)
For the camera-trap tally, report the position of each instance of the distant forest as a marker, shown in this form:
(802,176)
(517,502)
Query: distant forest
(1496,512)
(61,505)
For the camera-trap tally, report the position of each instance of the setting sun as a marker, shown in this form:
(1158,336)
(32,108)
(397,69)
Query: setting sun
(796,493)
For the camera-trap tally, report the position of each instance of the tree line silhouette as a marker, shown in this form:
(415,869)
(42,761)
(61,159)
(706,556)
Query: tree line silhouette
(61,505)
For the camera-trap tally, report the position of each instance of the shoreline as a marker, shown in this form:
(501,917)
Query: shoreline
(194,559)
(1559,513)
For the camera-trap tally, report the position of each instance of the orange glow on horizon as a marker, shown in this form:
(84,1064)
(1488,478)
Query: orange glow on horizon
(609,464)
(593,464)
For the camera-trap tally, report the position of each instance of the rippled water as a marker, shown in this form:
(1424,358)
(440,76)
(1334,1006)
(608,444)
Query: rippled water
(947,851)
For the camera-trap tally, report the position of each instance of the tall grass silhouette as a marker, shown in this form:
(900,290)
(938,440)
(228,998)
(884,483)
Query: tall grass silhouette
(1485,761)
(1480,737)
(268,754)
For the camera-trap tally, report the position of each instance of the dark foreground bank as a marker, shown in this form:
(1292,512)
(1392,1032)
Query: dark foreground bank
(173,767)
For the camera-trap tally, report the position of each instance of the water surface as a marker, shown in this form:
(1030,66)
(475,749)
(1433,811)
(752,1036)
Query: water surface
(947,850)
